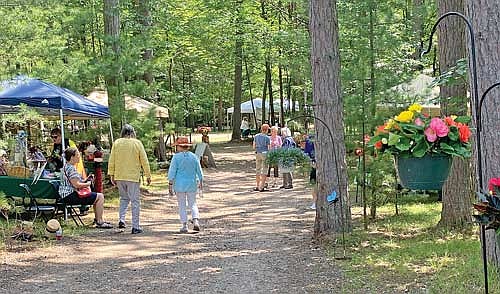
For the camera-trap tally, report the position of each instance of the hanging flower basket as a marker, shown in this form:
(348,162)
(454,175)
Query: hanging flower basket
(423,173)
(423,146)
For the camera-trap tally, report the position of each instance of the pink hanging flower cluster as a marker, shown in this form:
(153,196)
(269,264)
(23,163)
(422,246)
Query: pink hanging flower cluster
(437,128)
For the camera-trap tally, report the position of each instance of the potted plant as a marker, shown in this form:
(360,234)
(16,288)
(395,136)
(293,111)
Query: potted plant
(423,146)
(489,206)
(287,158)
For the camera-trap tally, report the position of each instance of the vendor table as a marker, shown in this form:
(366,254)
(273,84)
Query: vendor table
(43,189)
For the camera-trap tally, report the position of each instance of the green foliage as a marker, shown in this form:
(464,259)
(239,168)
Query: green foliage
(287,157)
(409,251)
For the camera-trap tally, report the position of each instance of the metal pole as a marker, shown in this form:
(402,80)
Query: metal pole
(475,99)
(363,191)
(337,173)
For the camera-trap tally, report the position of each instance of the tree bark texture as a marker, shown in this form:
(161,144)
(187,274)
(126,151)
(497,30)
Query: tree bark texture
(458,189)
(112,43)
(486,23)
(146,22)
(238,69)
(328,106)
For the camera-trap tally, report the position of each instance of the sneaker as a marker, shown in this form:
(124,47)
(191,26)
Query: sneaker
(184,228)
(121,225)
(196,225)
(313,206)
(137,230)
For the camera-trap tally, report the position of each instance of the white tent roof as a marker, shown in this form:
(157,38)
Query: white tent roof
(420,86)
(246,107)
(131,102)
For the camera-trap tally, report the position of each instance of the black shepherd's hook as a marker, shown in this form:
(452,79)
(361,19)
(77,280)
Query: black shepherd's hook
(337,173)
(477,107)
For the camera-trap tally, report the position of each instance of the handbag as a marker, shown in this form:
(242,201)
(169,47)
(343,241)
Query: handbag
(84,192)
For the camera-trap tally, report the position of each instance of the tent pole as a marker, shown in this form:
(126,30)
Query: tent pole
(62,129)
(111,132)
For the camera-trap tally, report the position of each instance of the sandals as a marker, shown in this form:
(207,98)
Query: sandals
(103,225)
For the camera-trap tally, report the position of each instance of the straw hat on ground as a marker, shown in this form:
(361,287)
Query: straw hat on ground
(53,225)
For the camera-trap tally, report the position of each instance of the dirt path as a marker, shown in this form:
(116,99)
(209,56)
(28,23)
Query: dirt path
(251,242)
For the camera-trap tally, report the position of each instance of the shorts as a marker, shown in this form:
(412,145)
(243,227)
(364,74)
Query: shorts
(260,164)
(312,176)
(74,199)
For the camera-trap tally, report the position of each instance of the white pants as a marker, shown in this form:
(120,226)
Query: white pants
(190,198)
(129,193)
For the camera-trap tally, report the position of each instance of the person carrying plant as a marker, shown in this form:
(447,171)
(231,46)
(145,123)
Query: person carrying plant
(276,143)
(261,144)
(288,142)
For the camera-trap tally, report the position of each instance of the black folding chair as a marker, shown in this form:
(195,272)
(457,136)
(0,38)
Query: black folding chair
(46,211)
(65,208)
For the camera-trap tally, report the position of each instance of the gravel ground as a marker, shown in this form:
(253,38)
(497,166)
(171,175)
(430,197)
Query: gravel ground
(250,242)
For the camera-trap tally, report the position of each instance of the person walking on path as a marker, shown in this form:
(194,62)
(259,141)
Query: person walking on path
(126,162)
(288,142)
(275,144)
(185,176)
(261,144)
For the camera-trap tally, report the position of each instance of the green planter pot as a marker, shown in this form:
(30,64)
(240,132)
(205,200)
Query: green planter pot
(425,173)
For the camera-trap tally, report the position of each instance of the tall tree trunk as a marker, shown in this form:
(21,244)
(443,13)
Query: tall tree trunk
(146,23)
(457,191)
(486,22)
(238,68)
(270,90)
(418,27)
(330,156)
(264,94)
(116,101)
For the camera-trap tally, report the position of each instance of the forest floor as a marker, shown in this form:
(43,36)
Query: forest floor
(251,242)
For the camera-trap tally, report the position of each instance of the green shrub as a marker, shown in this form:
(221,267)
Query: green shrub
(287,157)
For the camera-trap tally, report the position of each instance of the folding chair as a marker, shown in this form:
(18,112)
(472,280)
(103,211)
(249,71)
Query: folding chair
(46,211)
(66,208)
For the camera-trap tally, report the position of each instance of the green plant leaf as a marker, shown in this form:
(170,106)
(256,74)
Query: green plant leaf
(393,139)
(420,149)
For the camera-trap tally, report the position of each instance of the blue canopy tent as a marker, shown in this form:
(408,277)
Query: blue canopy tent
(49,100)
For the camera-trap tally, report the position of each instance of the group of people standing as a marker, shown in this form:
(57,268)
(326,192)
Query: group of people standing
(263,143)
(128,162)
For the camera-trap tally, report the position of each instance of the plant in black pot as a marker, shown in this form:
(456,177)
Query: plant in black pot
(287,158)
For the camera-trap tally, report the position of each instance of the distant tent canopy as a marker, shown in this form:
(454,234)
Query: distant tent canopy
(131,103)
(246,108)
(48,99)
(418,90)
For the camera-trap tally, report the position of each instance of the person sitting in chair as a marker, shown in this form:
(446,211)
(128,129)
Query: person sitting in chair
(245,128)
(72,181)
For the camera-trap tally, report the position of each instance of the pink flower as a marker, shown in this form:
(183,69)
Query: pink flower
(430,134)
(419,122)
(439,126)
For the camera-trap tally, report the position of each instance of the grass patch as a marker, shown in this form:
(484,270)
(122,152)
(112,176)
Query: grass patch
(408,253)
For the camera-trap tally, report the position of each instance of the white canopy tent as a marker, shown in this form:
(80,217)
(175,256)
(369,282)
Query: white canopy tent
(246,108)
(131,102)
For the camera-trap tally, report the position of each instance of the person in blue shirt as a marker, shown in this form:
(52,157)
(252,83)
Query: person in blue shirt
(261,144)
(185,177)
(309,150)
